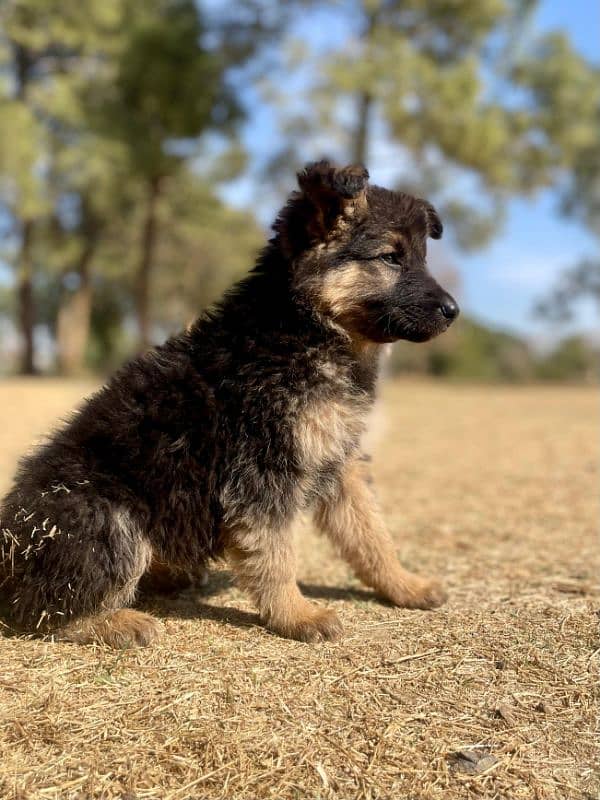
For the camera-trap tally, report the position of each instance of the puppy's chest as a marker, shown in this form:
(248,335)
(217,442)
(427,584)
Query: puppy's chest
(328,429)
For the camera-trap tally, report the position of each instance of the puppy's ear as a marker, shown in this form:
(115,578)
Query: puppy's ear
(332,192)
(323,182)
(434,223)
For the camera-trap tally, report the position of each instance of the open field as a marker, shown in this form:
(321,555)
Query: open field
(492,487)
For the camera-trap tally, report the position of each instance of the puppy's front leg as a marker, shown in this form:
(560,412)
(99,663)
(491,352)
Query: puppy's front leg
(263,561)
(352,521)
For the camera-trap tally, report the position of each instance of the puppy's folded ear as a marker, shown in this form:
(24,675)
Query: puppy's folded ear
(323,182)
(327,196)
(331,193)
(434,223)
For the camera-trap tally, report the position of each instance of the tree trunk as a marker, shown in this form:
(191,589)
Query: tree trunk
(26,304)
(142,278)
(74,315)
(360,149)
(364,103)
(26,309)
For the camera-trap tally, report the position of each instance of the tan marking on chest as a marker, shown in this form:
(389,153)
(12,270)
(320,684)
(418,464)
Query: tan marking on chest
(327,430)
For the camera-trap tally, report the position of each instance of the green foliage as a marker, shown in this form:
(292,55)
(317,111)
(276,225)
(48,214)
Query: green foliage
(203,248)
(472,105)
(110,341)
(22,143)
(7,302)
(163,86)
(574,359)
(573,107)
(105,103)
(563,97)
(470,351)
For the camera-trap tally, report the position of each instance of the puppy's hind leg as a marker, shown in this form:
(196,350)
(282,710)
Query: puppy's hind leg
(114,624)
(80,570)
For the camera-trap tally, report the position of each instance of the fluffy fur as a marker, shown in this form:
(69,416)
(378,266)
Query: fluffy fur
(211,444)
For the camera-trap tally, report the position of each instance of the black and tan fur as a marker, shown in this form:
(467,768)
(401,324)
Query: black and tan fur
(211,444)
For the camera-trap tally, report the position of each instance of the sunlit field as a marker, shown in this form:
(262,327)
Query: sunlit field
(492,488)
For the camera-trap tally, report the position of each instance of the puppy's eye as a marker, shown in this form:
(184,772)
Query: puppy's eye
(393,258)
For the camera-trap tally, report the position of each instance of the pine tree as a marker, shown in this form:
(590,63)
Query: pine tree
(443,90)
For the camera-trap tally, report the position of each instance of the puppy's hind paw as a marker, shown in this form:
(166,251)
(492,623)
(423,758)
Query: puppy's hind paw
(120,629)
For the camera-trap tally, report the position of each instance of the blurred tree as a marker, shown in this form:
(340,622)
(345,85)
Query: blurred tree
(92,199)
(575,102)
(21,142)
(448,87)
(42,44)
(167,91)
(563,96)
(580,282)
(573,359)
(195,253)
(194,262)
(204,246)
(469,351)
(115,97)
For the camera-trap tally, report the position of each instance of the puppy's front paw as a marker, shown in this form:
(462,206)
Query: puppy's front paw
(431,595)
(422,593)
(316,624)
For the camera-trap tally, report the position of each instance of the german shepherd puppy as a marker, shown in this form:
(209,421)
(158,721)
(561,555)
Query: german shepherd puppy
(211,444)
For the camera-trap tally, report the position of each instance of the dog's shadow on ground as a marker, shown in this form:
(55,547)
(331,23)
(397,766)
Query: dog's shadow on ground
(192,603)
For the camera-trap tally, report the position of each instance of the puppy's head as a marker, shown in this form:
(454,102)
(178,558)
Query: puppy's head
(358,253)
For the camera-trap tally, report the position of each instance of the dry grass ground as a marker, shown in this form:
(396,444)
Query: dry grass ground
(490,697)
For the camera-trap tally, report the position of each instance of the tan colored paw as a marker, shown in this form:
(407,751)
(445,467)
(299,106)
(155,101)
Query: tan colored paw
(136,629)
(119,629)
(316,624)
(423,594)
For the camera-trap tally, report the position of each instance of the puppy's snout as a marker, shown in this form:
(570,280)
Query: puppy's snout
(449,307)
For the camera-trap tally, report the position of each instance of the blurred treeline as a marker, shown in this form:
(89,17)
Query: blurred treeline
(123,124)
(472,351)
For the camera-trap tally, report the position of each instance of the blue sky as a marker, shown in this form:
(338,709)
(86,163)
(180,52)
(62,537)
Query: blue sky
(500,283)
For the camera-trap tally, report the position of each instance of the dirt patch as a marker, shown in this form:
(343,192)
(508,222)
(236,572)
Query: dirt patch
(491,696)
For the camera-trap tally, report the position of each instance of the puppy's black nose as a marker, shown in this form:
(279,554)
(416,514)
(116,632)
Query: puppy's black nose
(449,308)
